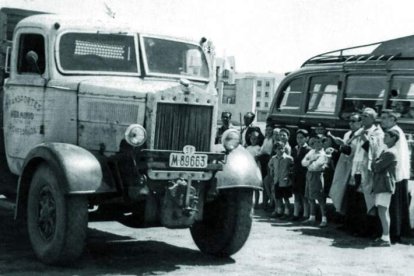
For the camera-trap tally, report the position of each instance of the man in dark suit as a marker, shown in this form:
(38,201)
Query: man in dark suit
(226,121)
(248,129)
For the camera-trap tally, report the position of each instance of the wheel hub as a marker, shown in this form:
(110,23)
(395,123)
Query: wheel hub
(47,214)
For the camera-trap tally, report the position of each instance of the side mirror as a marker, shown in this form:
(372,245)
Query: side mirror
(32,60)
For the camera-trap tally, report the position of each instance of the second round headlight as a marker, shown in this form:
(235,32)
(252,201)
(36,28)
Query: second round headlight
(230,139)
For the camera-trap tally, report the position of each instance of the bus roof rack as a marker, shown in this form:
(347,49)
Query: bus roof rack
(374,54)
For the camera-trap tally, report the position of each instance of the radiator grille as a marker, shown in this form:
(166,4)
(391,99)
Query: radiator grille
(179,125)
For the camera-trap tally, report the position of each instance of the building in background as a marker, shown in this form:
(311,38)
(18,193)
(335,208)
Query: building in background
(243,92)
(264,85)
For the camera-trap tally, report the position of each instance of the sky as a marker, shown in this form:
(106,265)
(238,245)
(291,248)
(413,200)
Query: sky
(263,35)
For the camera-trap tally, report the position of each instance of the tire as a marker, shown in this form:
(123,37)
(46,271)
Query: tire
(226,223)
(57,223)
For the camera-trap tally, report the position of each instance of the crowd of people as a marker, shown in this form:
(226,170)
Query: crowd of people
(365,174)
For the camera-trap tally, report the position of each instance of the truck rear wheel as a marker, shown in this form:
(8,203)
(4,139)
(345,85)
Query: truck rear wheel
(226,223)
(57,223)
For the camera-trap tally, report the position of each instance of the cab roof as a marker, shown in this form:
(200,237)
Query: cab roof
(47,21)
(109,25)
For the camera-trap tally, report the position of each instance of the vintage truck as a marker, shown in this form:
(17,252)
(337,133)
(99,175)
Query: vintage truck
(103,122)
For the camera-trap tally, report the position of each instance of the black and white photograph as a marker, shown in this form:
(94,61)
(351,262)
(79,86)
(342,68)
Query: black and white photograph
(194,137)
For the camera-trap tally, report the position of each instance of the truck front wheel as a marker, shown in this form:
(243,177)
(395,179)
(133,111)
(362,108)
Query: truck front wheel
(57,223)
(226,223)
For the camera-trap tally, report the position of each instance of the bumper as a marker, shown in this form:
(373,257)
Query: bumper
(157,166)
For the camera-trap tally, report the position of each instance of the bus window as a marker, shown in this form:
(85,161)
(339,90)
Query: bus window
(364,91)
(323,93)
(291,96)
(402,96)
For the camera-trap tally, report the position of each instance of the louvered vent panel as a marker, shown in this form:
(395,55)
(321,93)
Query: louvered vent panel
(111,112)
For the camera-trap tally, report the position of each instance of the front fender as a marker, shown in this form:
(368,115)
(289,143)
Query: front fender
(239,171)
(77,169)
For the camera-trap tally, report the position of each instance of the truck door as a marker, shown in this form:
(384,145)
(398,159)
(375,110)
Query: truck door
(24,97)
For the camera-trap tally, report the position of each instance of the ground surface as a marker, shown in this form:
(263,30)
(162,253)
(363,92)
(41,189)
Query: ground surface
(274,248)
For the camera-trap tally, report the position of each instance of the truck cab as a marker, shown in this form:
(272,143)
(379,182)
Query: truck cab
(106,122)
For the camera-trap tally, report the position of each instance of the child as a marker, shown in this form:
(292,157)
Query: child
(311,141)
(299,175)
(316,161)
(254,150)
(276,134)
(384,184)
(280,166)
(284,135)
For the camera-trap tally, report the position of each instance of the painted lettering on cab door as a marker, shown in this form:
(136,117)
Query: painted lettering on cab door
(24,115)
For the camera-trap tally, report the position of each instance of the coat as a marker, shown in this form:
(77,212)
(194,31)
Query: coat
(384,169)
(342,174)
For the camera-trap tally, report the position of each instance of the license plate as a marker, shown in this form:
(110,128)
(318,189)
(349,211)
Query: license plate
(181,160)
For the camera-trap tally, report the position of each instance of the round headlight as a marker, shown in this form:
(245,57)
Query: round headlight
(135,135)
(230,139)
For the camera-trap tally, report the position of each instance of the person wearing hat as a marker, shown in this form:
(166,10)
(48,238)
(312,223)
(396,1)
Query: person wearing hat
(248,128)
(320,129)
(384,170)
(399,208)
(369,145)
(226,124)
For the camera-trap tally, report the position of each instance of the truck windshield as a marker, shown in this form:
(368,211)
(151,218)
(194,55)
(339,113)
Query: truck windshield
(80,52)
(167,57)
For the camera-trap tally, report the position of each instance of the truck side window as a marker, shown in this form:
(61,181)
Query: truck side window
(291,96)
(31,42)
(364,91)
(323,92)
(402,96)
